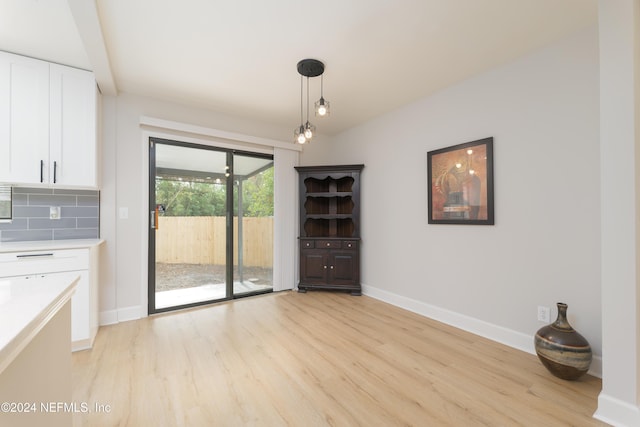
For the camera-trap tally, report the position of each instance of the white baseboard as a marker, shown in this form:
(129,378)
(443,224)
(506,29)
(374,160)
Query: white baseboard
(596,366)
(616,412)
(81,345)
(111,317)
(515,339)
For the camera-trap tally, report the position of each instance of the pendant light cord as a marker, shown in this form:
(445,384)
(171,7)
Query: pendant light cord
(301,107)
(307,99)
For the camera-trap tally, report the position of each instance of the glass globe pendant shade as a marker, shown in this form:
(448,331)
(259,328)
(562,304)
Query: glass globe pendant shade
(299,135)
(309,130)
(322,107)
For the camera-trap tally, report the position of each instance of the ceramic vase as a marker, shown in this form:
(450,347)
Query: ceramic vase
(561,349)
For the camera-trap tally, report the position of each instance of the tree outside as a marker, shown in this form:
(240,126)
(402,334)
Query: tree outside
(197,198)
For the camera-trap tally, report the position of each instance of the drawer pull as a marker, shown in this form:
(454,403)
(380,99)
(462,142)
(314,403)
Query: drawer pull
(33,255)
(328,244)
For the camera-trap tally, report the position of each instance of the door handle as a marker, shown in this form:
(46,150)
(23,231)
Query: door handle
(55,171)
(41,170)
(154,219)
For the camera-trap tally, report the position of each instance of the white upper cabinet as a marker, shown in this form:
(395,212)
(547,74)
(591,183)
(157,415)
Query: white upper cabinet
(47,123)
(72,155)
(24,119)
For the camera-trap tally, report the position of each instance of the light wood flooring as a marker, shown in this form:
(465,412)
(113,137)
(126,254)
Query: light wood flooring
(316,359)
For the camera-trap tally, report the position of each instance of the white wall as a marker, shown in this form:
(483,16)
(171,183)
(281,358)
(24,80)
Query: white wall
(543,112)
(123,287)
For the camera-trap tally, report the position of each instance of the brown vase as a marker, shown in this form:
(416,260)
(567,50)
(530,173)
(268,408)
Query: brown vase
(561,349)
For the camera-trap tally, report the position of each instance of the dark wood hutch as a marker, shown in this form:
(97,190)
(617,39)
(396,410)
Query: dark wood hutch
(330,227)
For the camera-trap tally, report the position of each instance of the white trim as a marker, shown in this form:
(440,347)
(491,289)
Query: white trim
(81,345)
(509,337)
(111,317)
(152,122)
(285,190)
(213,142)
(108,317)
(130,313)
(616,412)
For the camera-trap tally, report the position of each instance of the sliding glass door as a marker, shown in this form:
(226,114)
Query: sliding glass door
(211,224)
(253,224)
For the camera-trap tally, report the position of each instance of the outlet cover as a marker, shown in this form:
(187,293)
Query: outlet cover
(54,212)
(544,314)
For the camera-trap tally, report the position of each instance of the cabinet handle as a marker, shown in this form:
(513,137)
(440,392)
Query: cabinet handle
(33,255)
(153,220)
(41,170)
(328,244)
(325,267)
(55,171)
(332,267)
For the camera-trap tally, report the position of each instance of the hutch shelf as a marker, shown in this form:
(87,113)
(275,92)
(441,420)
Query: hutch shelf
(330,227)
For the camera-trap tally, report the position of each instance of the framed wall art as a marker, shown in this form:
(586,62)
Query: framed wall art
(460,184)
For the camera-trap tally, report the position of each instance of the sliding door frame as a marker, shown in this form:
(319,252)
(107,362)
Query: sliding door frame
(229,246)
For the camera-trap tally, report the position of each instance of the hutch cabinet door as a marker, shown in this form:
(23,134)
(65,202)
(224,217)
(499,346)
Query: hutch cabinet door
(342,269)
(313,265)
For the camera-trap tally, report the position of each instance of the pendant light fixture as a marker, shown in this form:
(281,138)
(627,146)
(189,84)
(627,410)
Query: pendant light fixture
(299,131)
(322,106)
(309,68)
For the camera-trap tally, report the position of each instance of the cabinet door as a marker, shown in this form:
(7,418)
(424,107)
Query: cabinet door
(73,127)
(24,119)
(313,267)
(343,269)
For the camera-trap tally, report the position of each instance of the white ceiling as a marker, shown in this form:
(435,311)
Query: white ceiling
(239,57)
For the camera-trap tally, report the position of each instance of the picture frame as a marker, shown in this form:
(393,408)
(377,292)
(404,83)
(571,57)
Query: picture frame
(460,184)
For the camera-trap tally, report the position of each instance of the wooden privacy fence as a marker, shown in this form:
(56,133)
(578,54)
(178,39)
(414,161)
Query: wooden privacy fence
(201,240)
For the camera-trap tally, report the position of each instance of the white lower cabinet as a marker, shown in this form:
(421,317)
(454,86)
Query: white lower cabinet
(81,262)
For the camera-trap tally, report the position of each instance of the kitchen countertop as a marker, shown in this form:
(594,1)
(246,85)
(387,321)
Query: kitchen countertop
(26,306)
(46,245)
